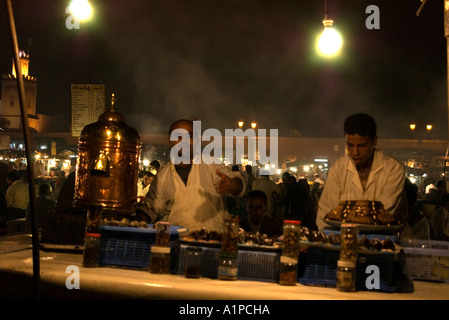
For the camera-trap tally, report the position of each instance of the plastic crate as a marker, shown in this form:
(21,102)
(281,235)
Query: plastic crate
(426,260)
(131,247)
(253,264)
(318,266)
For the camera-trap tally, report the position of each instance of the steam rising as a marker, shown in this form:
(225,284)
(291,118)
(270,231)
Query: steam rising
(229,60)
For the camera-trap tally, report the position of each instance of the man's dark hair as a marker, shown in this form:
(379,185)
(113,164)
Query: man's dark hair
(178,121)
(13,175)
(258,194)
(155,164)
(361,124)
(44,189)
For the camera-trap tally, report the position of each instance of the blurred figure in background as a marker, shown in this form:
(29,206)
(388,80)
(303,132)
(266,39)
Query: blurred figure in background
(257,220)
(144,185)
(416,225)
(271,189)
(45,207)
(439,220)
(17,195)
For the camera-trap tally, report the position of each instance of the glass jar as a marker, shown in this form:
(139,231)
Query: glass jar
(162,233)
(227,267)
(91,251)
(346,276)
(291,237)
(288,271)
(159,259)
(193,262)
(349,242)
(229,243)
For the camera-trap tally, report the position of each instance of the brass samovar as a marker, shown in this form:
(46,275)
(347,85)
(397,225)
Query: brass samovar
(108,164)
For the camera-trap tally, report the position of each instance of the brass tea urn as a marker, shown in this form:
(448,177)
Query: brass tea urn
(108,164)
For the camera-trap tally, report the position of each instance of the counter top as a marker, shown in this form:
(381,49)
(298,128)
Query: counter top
(56,268)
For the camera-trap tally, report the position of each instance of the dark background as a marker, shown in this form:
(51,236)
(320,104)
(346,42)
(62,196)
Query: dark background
(255,60)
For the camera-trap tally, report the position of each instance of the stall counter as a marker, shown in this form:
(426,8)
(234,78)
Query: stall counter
(63,277)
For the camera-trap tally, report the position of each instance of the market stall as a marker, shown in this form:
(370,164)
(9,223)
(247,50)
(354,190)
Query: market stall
(63,276)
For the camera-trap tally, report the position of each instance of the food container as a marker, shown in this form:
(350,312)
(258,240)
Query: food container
(91,251)
(227,266)
(349,242)
(230,236)
(159,260)
(291,236)
(290,252)
(288,273)
(346,276)
(162,233)
(193,262)
(160,252)
(92,238)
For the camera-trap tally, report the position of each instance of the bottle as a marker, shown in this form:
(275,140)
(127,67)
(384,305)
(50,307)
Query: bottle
(229,242)
(159,260)
(349,242)
(92,238)
(227,266)
(346,276)
(193,262)
(290,253)
(160,252)
(228,257)
(288,272)
(91,251)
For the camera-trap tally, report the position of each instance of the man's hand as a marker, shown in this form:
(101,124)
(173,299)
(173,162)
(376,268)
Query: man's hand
(227,185)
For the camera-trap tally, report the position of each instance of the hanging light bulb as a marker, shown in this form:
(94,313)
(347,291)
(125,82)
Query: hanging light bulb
(330,42)
(81,9)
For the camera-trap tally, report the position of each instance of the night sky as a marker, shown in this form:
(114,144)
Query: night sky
(255,60)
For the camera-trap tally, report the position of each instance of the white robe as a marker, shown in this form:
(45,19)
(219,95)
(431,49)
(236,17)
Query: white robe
(196,205)
(385,184)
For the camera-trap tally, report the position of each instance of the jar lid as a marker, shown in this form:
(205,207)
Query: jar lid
(292,221)
(346,263)
(93,235)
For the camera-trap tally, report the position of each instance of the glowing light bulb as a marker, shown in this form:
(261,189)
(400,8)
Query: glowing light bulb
(81,9)
(330,41)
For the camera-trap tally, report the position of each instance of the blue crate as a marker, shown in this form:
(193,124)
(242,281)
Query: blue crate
(318,266)
(131,247)
(253,264)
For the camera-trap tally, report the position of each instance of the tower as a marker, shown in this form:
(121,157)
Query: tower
(10,113)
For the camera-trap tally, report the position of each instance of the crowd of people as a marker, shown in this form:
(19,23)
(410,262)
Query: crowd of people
(15,195)
(202,193)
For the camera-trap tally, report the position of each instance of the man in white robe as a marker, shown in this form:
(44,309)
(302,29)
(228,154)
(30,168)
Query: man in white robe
(191,193)
(364,173)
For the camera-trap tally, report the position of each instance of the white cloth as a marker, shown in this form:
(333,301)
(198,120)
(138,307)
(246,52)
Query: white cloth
(385,184)
(141,190)
(18,195)
(268,187)
(196,205)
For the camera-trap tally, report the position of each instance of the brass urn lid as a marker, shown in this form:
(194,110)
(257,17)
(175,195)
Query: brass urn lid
(110,126)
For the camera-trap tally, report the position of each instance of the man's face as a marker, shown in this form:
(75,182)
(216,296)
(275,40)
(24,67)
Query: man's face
(361,148)
(147,180)
(187,128)
(256,208)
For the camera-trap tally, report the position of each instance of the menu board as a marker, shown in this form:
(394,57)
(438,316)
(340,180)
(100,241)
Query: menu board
(4,142)
(88,103)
